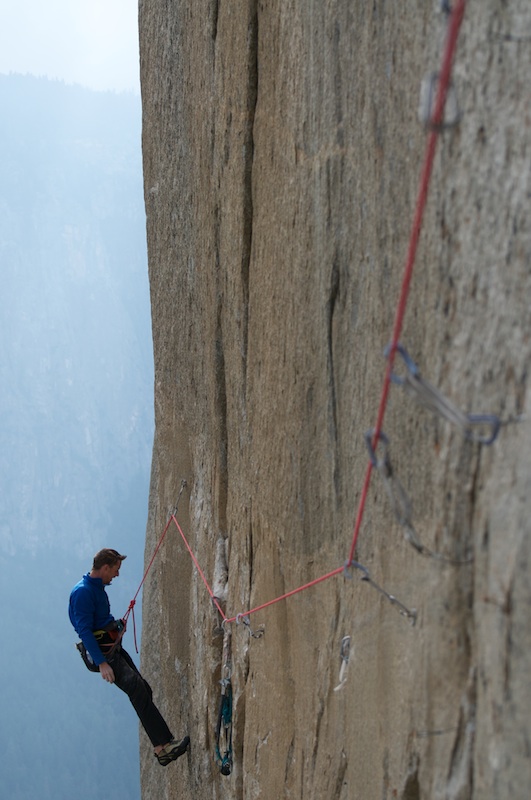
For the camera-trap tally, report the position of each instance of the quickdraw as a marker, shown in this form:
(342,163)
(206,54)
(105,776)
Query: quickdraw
(224,723)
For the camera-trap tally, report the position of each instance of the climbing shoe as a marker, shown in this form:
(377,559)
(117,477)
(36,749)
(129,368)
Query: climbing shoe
(172,751)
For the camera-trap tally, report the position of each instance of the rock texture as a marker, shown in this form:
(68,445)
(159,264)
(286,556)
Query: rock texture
(282,153)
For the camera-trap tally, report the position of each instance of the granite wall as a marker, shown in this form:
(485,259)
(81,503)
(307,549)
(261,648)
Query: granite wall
(282,155)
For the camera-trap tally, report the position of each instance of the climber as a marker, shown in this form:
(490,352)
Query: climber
(101,648)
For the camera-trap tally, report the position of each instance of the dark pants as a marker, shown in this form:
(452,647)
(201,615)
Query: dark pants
(129,680)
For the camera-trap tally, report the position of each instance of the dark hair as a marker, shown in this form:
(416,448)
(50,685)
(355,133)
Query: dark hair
(106,556)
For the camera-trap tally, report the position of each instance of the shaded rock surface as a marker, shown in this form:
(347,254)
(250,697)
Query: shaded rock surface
(282,153)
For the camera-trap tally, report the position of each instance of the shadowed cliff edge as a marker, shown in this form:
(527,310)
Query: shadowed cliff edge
(282,152)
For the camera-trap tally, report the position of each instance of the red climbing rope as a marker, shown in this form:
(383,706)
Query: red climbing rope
(157,548)
(132,603)
(436,123)
(202,574)
(288,594)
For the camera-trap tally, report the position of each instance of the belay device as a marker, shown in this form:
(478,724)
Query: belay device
(224,723)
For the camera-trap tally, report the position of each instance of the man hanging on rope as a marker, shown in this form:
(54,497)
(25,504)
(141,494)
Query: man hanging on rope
(101,634)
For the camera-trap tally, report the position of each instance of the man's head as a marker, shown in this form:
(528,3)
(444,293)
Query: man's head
(108,557)
(106,565)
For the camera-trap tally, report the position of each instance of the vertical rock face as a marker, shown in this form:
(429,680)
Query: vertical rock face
(282,154)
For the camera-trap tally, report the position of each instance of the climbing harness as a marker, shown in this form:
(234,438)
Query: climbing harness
(224,722)
(108,640)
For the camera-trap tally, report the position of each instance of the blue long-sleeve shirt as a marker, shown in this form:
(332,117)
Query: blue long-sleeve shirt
(89,610)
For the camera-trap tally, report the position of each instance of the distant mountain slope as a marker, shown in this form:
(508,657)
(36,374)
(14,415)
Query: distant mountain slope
(75,410)
(76,419)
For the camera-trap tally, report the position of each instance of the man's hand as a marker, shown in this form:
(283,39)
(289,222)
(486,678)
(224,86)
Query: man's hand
(106,672)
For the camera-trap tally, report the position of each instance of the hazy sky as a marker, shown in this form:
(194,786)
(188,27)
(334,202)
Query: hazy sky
(90,42)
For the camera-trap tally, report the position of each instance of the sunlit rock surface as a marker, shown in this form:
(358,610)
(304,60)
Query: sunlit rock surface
(282,156)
